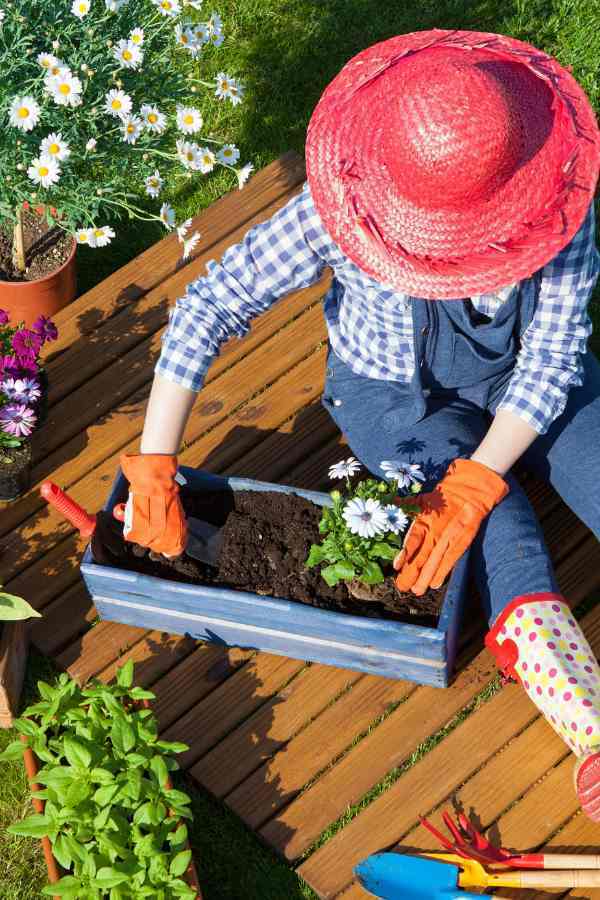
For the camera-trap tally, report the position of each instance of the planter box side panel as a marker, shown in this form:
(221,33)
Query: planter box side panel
(13,659)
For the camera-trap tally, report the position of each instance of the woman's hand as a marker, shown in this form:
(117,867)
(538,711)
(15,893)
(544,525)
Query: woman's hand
(449,520)
(154,516)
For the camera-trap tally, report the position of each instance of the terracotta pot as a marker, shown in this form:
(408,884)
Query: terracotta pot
(26,300)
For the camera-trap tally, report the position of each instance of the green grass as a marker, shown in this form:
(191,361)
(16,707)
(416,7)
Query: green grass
(286,51)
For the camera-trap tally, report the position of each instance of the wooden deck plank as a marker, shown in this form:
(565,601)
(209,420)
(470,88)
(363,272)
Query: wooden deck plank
(280,779)
(154,655)
(96,649)
(64,619)
(274,724)
(163,259)
(209,721)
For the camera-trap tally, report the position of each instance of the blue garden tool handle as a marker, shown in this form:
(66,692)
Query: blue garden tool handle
(394,876)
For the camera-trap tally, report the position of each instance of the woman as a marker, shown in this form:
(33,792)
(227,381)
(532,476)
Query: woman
(450,188)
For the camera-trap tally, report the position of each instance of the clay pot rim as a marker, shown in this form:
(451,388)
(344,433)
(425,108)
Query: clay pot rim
(26,284)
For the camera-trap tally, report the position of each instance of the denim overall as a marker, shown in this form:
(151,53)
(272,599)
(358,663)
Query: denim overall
(463,364)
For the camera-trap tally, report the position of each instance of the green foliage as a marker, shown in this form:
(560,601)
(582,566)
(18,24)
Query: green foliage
(351,557)
(12,607)
(115,826)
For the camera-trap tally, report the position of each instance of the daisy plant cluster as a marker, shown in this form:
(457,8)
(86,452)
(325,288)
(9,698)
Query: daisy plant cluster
(20,387)
(102,106)
(364,527)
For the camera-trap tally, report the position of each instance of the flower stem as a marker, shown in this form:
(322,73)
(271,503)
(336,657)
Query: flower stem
(19,241)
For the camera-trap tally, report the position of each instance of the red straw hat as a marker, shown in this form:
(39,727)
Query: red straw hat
(452,163)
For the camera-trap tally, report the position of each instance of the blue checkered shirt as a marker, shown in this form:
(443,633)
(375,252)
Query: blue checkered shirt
(370,325)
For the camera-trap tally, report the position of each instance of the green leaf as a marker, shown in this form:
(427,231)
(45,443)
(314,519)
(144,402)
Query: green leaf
(105,794)
(138,693)
(13,751)
(159,768)
(13,608)
(35,826)
(345,570)
(68,887)
(101,776)
(172,747)
(62,852)
(77,754)
(315,557)
(46,691)
(180,863)
(122,735)
(102,818)
(125,674)
(77,792)
(27,727)
(372,574)
(383,550)
(177,797)
(108,877)
(179,836)
(329,573)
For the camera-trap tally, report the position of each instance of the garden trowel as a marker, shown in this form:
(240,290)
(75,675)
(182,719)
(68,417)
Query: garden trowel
(204,539)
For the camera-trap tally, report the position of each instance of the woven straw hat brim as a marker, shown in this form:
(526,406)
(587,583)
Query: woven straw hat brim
(444,251)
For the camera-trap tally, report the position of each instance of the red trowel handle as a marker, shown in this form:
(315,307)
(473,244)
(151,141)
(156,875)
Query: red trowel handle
(72,511)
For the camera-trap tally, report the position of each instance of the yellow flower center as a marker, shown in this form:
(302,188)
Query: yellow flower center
(55,70)
(166,4)
(116,103)
(130,128)
(227,152)
(23,112)
(152,118)
(64,89)
(224,85)
(189,156)
(136,39)
(54,148)
(127,55)
(98,232)
(154,182)
(83,7)
(207,160)
(43,171)
(188,120)
(83,237)
(184,39)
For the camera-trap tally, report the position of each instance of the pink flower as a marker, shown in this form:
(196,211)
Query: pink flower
(17,419)
(9,366)
(26,342)
(4,317)
(46,328)
(21,390)
(27,363)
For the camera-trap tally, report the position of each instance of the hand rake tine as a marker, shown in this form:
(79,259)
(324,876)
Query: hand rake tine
(443,840)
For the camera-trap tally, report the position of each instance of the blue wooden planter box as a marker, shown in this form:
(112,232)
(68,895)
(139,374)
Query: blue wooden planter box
(288,628)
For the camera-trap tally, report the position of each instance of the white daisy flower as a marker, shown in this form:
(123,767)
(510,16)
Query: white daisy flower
(201,32)
(183,34)
(189,119)
(236,91)
(131,129)
(137,37)
(85,236)
(190,244)
(183,229)
(228,155)
(189,154)
(115,5)
(128,54)
(206,160)
(195,4)
(345,468)
(215,23)
(103,235)
(152,118)
(80,8)
(117,103)
(65,88)
(365,517)
(2,14)
(167,215)
(406,474)
(223,88)
(24,112)
(243,174)
(217,38)
(396,519)
(44,171)
(91,145)
(154,184)
(169,8)
(48,61)
(55,147)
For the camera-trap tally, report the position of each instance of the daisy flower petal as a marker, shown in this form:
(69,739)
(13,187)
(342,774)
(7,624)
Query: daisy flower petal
(365,517)
(24,113)
(44,171)
(243,174)
(189,119)
(345,469)
(117,103)
(228,155)
(406,474)
(154,184)
(55,147)
(167,215)
(190,244)
(396,519)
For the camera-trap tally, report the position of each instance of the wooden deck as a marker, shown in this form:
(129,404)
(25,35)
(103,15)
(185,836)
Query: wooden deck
(276,739)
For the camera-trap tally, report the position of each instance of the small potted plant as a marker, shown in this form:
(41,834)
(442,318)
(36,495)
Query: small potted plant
(105,806)
(23,398)
(364,527)
(99,107)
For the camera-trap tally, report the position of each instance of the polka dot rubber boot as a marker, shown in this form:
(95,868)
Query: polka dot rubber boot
(537,642)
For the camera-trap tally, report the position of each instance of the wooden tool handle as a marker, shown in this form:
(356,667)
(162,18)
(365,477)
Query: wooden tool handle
(570,861)
(72,511)
(567,878)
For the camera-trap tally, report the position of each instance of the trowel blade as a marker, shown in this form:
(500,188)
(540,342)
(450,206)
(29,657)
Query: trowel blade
(204,541)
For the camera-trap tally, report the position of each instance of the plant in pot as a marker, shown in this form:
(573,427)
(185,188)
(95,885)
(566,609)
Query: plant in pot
(23,398)
(106,810)
(100,109)
(364,528)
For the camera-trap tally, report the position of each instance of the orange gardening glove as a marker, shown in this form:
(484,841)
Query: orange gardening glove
(154,516)
(449,520)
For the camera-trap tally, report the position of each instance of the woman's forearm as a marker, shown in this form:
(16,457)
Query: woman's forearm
(507,439)
(168,410)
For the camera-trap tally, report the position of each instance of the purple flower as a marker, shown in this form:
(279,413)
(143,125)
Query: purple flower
(21,390)
(26,342)
(17,419)
(9,367)
(26,363)
(46,328)
(4,317)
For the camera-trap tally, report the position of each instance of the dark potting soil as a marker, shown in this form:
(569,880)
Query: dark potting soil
(46,249)
(266,540)
(15,471)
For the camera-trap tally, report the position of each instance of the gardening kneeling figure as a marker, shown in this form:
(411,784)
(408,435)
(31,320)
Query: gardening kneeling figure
(450,189)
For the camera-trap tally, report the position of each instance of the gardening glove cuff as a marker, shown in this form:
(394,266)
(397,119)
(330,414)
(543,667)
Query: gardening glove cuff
(154,516)
(449,520)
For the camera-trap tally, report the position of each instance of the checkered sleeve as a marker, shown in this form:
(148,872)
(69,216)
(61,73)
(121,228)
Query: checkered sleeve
(549,361)
(274,258)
